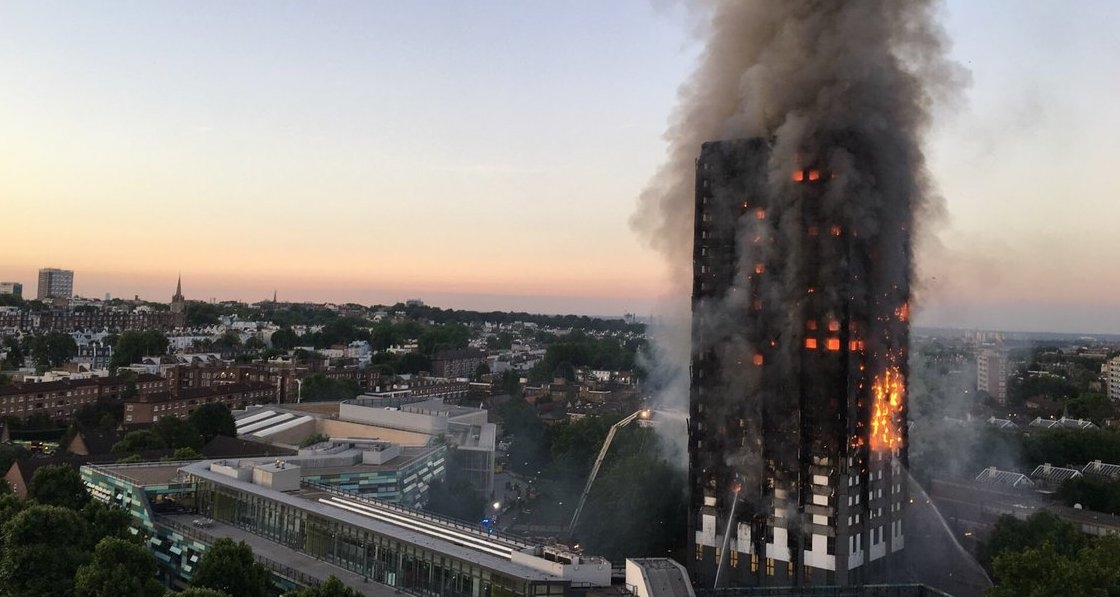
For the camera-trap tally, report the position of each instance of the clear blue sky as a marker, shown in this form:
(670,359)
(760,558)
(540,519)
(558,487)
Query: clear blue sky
(489,154)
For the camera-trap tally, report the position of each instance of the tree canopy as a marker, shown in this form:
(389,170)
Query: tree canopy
(1048,569)
(1011,534)
(118,567)
(43,548)
(53,349)
(135,442)
(331,588)
(176,433)
(230,567)
(211,420)
(320,388)
(132,346)
(58,485)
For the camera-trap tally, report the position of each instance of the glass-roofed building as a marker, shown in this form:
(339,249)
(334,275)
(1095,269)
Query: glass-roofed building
(305,531)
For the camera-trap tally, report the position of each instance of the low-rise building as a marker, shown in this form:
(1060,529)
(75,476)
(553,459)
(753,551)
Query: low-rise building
(61,399)
(1062,423)
(1048,476)
(304,533)
(455,364)
(1009,479)
(15,288)
(181,402)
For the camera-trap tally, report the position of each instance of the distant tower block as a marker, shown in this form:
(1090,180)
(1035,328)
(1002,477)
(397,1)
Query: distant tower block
(55,283)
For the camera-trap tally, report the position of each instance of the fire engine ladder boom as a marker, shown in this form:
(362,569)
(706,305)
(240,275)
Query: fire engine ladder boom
(599,463)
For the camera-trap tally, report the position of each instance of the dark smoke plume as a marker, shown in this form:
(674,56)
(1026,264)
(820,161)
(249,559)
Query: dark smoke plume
(792,71)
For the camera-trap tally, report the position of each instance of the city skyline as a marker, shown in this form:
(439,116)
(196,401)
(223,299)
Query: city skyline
(490,157)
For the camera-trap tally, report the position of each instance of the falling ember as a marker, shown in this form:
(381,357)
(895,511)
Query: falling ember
(889,392)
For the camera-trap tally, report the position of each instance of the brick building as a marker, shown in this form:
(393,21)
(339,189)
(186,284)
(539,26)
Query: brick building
(150,407)
(457,363)
(61,399)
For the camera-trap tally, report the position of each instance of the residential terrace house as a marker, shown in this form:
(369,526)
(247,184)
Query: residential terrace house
(61,399)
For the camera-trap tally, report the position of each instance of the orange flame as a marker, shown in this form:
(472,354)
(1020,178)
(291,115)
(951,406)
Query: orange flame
(888,391)
(903,312)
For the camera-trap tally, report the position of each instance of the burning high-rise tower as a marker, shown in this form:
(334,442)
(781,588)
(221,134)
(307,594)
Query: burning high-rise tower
(796,222)
(797,435)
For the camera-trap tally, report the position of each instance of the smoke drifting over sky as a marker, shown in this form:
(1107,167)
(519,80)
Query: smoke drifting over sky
(797,72)
(768,65)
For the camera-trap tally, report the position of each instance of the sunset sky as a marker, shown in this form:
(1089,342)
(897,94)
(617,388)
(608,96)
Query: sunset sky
(489,154)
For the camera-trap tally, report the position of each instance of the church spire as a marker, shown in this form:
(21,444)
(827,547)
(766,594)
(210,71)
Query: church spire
(178,303)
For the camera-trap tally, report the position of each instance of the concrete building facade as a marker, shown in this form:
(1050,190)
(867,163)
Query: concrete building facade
(55,283)
(11,288)
(991,373)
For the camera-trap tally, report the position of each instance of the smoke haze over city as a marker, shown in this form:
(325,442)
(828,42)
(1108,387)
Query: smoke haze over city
(318,153)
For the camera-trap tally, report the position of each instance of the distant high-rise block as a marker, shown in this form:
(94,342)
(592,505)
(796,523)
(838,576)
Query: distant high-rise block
(55,283)
(991,373)
(797,416)
(11,288)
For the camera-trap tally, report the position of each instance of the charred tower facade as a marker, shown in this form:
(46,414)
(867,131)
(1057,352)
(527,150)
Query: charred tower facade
(797,428)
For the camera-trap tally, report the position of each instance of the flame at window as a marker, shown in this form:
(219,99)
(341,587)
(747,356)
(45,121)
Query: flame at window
(888,390)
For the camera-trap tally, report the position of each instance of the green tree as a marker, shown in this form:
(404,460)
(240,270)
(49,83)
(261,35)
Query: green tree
(186,454)
(1012,534)
(500,341)
(52,350)
(284,339)
(106,520)
(43,548)
(134,442)
(385,334)
(15,353)
(58,485)
(10,453)
(441,337)
(413,363)
(176,433)
(131,347)
(202,314)
(104,414)
(320,388)
(574,444)
(639,482)
(313,439)
(228,341)
(1091,405)
(211,420)
(332,588)
(118,567)
(10,505)
(198,592)
(1093,494)
(230,567)
(1047,570)
(529,451)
